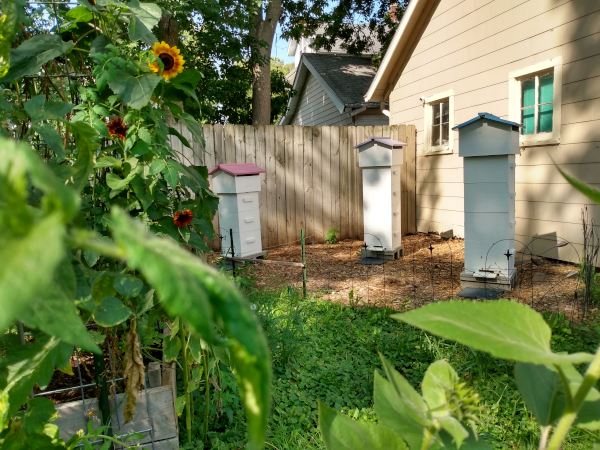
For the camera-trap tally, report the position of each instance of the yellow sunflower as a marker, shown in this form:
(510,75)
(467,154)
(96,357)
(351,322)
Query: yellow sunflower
(170,57)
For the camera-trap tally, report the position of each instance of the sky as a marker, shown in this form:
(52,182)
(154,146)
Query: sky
(279,49)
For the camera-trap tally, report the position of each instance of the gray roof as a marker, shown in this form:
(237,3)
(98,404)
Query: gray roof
(385,141)
(349,77)
(484,115)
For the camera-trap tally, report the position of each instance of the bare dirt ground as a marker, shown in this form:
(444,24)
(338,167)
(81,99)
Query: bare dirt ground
(429,271)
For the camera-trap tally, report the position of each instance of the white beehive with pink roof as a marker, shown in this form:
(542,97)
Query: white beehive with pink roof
(237,186)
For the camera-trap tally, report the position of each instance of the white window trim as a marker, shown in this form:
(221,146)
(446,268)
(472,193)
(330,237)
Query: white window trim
(514,96)
(429,101)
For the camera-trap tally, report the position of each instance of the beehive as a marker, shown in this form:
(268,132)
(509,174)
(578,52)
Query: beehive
(237,186)
(381,161)
(488,145)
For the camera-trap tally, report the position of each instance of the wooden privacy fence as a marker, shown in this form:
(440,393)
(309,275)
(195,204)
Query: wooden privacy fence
(312,181)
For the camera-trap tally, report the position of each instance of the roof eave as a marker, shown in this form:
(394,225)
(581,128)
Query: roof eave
(380,83)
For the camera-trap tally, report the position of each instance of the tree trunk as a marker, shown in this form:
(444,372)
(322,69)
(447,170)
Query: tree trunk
(264,30)
(169,30)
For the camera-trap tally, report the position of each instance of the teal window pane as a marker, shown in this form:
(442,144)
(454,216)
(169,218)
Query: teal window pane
(528,94)
(528,120)
(545,118)
(546,88)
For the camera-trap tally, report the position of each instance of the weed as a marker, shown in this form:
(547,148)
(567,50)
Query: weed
(331,237)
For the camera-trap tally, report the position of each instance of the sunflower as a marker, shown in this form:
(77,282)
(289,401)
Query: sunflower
(170,57)
(183,218)
(116,128)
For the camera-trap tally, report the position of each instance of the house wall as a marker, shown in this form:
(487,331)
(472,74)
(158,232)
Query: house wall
(316,108)
(470,46)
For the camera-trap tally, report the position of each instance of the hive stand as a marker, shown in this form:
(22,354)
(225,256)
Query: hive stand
(381,161)
(488,145)
(237,186)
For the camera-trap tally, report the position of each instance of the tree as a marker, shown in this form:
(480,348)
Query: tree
(358,24)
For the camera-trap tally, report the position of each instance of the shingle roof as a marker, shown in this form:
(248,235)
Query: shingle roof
(484,115)
(383,140)
(238,169)
(348,76)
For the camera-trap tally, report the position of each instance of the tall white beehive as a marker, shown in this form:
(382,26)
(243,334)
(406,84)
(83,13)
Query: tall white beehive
(381,162)
(488,145)
(237,186)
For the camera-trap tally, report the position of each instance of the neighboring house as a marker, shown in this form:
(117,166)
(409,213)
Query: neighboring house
(330,88)
(536,62)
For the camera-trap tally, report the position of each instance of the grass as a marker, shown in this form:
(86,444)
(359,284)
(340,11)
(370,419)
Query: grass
(328,351)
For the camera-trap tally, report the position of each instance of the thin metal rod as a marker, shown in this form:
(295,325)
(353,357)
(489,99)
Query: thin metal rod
(232,252)
(146,390)
(85,416)
(71,388)
(303,263)
(112,371)
(74,75)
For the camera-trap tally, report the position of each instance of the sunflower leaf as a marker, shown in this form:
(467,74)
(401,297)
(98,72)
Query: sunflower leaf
(136,91)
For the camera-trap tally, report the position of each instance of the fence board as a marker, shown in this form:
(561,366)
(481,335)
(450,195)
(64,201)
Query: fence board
(271,180)
(335,178)
(281,185)
(299,180)
(290,196)
(317,184)
(343,174)
(312,178)
(260,161)
(309,200)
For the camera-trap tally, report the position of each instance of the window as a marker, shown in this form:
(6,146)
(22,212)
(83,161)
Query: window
(535,102)
(440,128)
(439,118)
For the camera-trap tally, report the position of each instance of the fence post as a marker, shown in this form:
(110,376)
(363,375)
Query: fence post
(303,262)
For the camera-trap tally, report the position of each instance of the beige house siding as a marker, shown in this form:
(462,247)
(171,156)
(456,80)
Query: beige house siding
(470,47)
(316,108)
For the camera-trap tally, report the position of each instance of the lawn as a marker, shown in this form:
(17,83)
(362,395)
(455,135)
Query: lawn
(328,351)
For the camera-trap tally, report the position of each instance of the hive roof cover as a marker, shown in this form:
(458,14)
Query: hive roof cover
(488,116)
(238,169)
(383,140)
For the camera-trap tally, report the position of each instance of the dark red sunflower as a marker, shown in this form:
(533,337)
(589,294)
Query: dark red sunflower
(183,218)
(116,128)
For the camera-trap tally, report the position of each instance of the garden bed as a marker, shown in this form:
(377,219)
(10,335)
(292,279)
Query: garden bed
(429,271)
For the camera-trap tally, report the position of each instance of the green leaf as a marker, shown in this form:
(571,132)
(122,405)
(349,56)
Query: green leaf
(28,58)
(128,286)
(142,191)
(107,161)
(341,432)
(504,328)
(51,137)
(110,312)
(87,142)
(171,174)
(7,34)
(394,413)
(134,90)
(146,301)
(438,382)
(21,368)
(39,109)
(145,16)
(194,127)
(179,405)
(140,149)
(145,135)
(540,388)
(197,241)
(91,256)
(171,348)
(3,103)
(199,295)
(99,45)
(33,430)
(28,265)
(454,428)
(157,166)
(590,192)
(103,286)
(184,141)
(57,300)
(188,76)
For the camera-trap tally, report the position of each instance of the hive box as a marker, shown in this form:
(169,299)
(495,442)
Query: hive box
(488,145)
(381,162)
(237,186)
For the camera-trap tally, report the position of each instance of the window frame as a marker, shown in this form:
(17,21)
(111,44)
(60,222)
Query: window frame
(428,123)
(515,101)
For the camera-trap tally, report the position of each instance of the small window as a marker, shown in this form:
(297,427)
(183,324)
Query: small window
(537,108)
(440,123)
